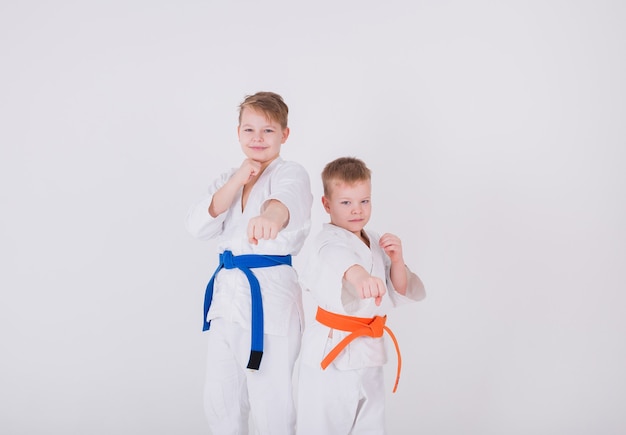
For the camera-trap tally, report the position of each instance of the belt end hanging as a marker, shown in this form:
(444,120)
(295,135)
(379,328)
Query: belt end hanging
(206,326)
(255,359)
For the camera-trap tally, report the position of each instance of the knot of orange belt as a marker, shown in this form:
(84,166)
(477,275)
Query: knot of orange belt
(358,326)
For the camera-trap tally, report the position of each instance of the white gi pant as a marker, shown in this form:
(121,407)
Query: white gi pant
(233,392)
(340,402)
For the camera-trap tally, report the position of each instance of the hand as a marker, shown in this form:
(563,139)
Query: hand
(392,246)
(267,225)
(366,285)
(246,172)
(225,195)
(262,228)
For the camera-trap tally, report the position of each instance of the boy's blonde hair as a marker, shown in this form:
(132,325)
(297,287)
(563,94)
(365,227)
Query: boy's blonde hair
(270,104)
(344,169)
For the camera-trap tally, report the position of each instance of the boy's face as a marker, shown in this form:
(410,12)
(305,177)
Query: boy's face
(349,205)
(260,138)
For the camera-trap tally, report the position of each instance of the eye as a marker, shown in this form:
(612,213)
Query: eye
(365,201)
(247,130)
(269,130)
(345,203)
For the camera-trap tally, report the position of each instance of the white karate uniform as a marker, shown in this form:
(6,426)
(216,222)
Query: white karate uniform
(348,396)
(232,390)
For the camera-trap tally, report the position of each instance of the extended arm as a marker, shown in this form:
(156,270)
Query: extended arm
(272,219)
(367,286)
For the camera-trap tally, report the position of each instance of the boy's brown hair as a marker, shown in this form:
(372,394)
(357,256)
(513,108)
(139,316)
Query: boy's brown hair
(344,169)
(270,104)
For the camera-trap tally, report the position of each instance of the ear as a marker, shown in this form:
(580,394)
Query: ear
(326,204)
(285,135)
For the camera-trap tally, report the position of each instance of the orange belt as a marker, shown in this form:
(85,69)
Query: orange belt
(358,326)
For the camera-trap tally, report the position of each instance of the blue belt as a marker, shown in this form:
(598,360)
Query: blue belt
(245,263)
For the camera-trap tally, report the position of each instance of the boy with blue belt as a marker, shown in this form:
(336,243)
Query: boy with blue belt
(260,215)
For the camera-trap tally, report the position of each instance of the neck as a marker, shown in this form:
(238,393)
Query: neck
(363,236)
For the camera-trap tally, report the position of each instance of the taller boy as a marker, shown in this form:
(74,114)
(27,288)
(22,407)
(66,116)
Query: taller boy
(260,215)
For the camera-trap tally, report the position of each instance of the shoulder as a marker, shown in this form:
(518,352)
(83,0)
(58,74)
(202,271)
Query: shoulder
(332,235)
(333,231)
(289,168)
(220,180)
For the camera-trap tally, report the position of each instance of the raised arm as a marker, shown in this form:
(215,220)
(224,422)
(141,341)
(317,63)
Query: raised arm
(224,197)
(392,246)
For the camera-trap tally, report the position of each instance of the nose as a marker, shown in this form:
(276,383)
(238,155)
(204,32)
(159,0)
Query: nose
(357,209)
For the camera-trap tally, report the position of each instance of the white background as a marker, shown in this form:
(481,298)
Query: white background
(496,135)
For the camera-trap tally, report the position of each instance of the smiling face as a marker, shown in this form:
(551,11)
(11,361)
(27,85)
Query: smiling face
(260,137)
(349,204)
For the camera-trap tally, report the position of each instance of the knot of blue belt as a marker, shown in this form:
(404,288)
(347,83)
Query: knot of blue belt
(245,263)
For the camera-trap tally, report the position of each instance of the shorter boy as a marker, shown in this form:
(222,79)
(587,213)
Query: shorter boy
(355,276)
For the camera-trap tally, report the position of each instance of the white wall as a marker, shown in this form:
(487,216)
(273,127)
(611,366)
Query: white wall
(496,135)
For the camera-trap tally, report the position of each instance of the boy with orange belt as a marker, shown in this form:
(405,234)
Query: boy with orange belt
(356,277)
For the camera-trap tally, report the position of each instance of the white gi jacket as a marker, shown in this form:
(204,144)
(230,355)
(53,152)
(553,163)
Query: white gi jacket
(334,251)
(287,182)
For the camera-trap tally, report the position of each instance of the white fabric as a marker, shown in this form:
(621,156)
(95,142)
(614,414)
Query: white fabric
(334,250)
(355,404)
(289,183)
(348,396)
(231,390)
